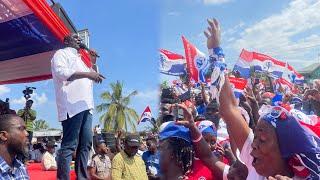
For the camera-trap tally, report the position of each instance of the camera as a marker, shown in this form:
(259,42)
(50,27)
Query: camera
(27,92)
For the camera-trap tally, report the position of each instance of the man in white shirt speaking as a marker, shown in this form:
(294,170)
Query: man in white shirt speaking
(73,82)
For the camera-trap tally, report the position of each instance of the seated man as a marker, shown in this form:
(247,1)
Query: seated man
(100,166)
(48,160)
(13,141)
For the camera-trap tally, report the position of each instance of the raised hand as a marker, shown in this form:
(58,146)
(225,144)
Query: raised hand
(213,34)
(119,133)
(219,151)
(249,93)
(188,120)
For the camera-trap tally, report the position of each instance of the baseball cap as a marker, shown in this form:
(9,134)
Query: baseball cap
(132,139)
(100,141)
(207,127)
(171,129)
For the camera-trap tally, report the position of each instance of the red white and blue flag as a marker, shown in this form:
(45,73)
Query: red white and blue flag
(172,63)
(243,64)
(264,63)
(259,62)
(293,76)
(197,63)
(306,163)
(286,85)
(311,122)
(31,33)
(146,116)
(237,85)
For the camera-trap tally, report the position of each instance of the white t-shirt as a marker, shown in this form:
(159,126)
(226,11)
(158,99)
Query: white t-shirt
(225,172)
(48,161)
(247,159)
(72,97)
(140,153)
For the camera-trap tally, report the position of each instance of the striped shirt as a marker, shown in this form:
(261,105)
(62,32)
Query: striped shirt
(18,172)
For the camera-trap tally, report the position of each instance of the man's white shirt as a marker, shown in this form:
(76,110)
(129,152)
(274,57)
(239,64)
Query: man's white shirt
(72,97)
(48,161)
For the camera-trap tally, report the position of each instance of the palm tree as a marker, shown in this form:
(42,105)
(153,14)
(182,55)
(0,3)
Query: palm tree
(116,111)
(40,125)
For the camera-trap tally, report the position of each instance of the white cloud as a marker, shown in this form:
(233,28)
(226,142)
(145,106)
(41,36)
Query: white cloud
(148,95)
(215,2)
(284,34)
(4,89)
(19,101)
(233,29)
(37,99)
(42,99)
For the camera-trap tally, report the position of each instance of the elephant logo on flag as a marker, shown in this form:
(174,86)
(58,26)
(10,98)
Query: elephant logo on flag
(267,65)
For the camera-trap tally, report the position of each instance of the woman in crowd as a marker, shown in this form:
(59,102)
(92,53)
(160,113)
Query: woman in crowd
(176,151)
(279,143)
(279,148)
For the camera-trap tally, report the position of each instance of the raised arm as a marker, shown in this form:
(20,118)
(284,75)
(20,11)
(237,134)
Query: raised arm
(229,112)
(203,93)
(228,105)
(200,146)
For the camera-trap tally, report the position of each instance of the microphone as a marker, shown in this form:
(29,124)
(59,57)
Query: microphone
(83,46)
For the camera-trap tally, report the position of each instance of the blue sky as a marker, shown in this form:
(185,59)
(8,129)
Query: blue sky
(281,29)
(127,35)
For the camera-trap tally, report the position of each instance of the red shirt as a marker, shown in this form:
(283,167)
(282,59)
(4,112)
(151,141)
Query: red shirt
(200,171)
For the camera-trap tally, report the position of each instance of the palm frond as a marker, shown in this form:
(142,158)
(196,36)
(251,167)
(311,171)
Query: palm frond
(40,125)
(109,124)
(117,90)
(126,100)
(131,122)
(121,119)
(116,111)
(102,107)
(133,114)
(112,112)
(106,96)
